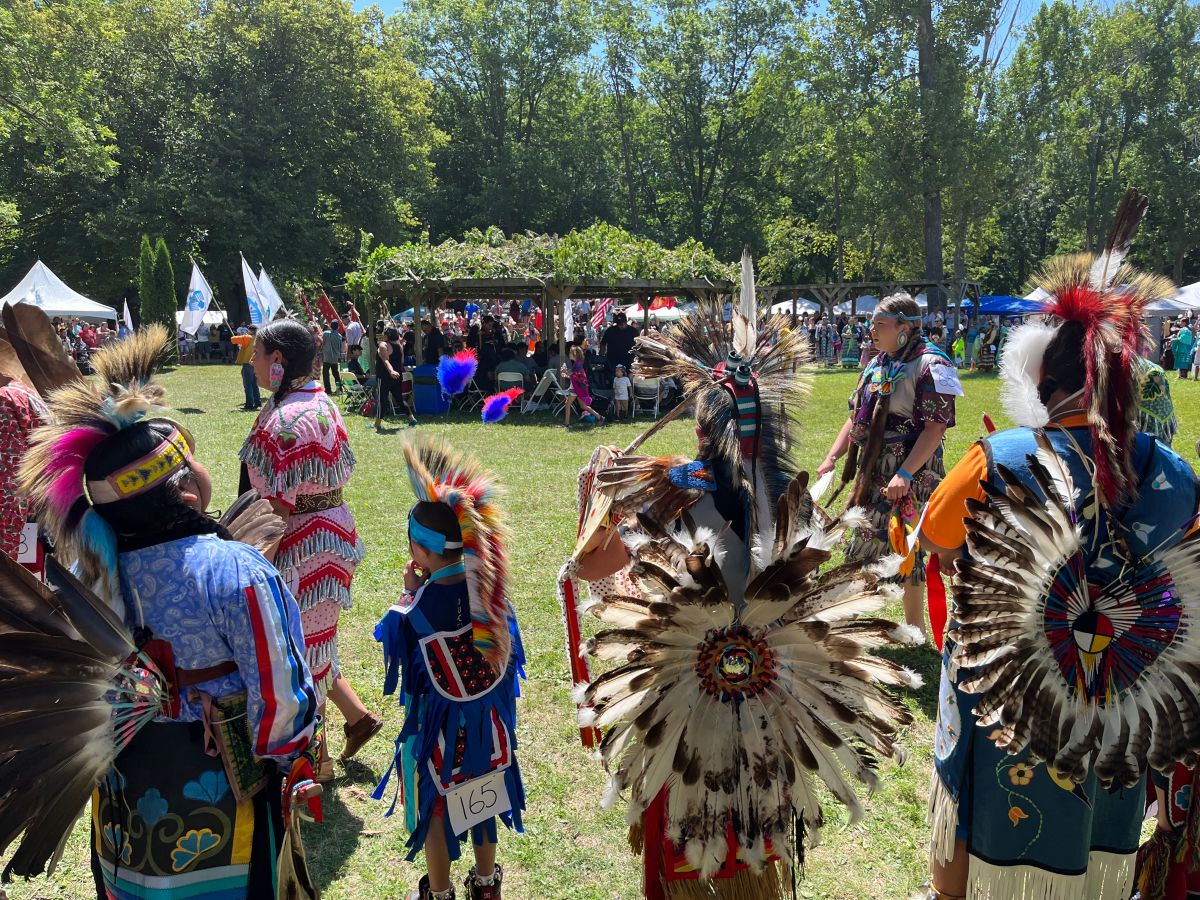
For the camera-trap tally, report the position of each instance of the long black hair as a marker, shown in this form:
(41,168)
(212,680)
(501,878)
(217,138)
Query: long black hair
(298,347)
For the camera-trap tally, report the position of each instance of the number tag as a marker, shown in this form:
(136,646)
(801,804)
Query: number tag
(477,801)
(27,555)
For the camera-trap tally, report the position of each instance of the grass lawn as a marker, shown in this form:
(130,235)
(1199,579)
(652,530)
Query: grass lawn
(571,849)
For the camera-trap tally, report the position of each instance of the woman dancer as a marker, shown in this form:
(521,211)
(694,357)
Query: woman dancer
(899,414)
(298,456)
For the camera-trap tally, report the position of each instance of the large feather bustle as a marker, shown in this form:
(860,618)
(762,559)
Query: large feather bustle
(61,660)
(438,473)
(86,412)
(1027,552)
(810,710)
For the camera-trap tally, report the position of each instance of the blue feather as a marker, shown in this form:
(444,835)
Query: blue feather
(455,372)
(98,536)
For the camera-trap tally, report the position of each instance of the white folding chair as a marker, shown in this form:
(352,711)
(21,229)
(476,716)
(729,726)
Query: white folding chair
(647,392)
(560,393)
(541,394)
(473,396)
(354,395)
(506,380)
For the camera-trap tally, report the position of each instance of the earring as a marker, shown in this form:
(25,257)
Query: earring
(903,339)
(276,376)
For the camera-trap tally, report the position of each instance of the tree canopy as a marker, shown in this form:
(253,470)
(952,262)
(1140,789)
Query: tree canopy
(857,139)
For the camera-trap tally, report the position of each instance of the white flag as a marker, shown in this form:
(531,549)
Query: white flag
(260,311)
(128,318)
(267,289)
(568,320)
(199,296)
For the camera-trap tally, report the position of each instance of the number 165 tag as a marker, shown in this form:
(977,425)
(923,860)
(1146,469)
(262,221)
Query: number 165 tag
(476,801)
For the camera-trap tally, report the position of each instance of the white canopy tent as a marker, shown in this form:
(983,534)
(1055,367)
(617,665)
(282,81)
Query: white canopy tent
(44,289)
(866,304)
(211,317)
(784,307)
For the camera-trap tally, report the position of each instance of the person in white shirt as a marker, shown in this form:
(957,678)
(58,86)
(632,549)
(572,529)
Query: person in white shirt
(622,391)
(354,333)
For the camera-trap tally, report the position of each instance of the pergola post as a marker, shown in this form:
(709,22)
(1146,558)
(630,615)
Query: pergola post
(555,296)
(418,342)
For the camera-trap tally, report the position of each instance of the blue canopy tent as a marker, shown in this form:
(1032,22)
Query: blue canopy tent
(997,305)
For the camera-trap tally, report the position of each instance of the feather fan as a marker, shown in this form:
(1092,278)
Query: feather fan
(72,694)
(41,352)
(1085,677)
(743,708)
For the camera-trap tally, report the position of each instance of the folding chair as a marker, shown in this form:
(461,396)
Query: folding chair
(541,394)
(354,395)
(647,392)
(473,396)
(506,380)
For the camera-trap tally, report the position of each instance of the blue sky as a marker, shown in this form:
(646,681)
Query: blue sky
(388,6)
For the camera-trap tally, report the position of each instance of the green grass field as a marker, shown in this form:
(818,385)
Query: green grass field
(571,849)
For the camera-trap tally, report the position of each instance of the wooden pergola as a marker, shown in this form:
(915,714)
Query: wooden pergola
(432,294)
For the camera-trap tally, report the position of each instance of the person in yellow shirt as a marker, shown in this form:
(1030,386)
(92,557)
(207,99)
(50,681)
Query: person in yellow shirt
(244,341)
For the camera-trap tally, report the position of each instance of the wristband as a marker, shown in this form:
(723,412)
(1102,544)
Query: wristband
(904,475)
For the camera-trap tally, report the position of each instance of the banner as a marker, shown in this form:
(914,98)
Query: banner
(307,308)
(260,309)
(326,306)
(267,289)
(128,318)
(600,310)
(199,296)
(568,320)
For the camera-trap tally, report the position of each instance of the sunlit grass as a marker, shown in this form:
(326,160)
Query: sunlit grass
(571,848)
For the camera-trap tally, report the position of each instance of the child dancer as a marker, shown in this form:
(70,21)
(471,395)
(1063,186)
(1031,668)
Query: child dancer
(453,637)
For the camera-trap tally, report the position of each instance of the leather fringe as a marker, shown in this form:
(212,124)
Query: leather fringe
(1109,877)
(769,884)
(942,819)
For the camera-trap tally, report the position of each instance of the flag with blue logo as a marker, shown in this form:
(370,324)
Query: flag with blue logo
(199,296)
(269,294)
(256,302)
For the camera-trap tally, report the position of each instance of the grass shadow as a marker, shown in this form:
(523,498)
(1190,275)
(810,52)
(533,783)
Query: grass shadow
(927,663)
(190,410)
(332,844)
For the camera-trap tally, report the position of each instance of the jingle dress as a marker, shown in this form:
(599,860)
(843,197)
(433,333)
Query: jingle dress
(298,453)
(171,820)
(923,391)
(451,698)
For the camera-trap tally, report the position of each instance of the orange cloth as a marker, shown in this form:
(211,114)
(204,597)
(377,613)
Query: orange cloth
(947,508)
(245,345)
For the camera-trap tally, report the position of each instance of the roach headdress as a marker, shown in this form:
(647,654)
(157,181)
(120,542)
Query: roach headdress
(1106,297)
(104,446)
(439,474)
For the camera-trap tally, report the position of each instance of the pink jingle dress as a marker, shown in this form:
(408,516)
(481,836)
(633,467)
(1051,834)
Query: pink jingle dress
(298,453)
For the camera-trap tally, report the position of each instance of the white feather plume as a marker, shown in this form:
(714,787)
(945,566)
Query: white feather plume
(1020,372)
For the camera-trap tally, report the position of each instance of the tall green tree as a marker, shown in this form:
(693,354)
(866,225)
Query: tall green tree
(164,299)
(146,283)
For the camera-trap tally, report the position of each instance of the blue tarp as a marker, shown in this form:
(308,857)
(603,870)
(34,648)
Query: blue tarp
(996,305)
